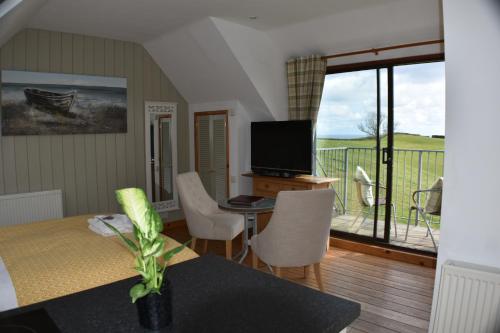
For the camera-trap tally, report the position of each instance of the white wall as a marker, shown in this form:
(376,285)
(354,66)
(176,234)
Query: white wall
(387,24)
(470,224)
(203,67)
(15,15)
(262,61)
(239,142)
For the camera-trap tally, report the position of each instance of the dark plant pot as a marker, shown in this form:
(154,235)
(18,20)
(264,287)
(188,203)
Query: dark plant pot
(155,311)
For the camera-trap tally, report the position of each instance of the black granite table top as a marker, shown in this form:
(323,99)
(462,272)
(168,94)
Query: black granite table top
(210,294)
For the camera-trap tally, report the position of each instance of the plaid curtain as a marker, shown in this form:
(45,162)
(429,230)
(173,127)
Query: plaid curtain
(306,77)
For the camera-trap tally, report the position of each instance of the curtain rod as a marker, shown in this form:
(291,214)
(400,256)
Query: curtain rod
(386,48)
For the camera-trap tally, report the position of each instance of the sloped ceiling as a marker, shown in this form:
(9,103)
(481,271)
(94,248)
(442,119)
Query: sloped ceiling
(212,51)
(199,61)
(15,15)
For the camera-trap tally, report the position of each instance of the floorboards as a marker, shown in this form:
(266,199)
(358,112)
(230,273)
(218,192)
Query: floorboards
(394,296)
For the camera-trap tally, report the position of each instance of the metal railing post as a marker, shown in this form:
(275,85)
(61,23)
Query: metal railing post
(346,174)
(419,184)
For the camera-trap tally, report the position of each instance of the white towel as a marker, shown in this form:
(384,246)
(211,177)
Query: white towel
(119,221)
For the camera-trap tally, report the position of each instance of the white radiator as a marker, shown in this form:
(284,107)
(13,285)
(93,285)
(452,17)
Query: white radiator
(30,207)
(468,299)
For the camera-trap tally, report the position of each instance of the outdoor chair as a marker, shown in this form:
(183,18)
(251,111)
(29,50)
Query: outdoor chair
(432,207)
(364,189)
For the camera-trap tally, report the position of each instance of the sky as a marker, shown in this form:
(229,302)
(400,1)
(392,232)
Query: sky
(419,100)
(62,79)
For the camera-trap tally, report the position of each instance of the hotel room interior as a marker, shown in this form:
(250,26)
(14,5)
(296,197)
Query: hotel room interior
(249,166)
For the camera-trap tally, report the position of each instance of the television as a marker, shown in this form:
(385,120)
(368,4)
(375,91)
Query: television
(282,148)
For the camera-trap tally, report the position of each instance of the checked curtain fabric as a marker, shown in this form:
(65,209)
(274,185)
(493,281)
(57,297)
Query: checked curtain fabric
(306,77)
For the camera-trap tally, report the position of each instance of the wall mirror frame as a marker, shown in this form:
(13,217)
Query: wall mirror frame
(161,154)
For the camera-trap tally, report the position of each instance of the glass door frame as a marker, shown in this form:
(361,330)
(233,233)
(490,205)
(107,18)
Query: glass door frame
(387,156)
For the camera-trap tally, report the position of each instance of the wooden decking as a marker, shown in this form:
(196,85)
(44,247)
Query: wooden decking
(394,296)
(417,235)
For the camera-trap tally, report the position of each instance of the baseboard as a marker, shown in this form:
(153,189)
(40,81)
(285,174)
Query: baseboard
(174,224)
(378,251)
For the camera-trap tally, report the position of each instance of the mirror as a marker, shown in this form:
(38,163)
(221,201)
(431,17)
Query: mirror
(161,155)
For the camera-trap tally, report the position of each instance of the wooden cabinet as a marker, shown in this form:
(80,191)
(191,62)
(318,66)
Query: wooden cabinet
(270,186)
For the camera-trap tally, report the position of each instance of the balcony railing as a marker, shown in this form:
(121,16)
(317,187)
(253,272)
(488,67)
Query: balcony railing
(413,170)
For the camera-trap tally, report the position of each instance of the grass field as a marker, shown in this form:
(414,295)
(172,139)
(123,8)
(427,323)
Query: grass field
(409,152)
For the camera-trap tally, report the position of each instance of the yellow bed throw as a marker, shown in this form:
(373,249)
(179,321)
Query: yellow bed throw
(54,258)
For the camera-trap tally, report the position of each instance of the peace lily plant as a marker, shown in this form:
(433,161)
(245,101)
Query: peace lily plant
(150,257)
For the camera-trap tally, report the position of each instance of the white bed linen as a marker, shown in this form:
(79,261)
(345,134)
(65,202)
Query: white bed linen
(8,299)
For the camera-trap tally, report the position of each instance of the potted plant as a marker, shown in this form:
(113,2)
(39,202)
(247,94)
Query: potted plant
(152,294)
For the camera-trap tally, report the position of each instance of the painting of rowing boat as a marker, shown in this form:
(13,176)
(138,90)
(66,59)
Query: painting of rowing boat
(35,103)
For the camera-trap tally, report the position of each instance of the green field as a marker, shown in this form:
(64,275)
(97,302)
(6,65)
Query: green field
(409,152)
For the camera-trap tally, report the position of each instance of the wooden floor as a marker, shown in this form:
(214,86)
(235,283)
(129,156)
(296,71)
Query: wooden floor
(417,235)
(394,296)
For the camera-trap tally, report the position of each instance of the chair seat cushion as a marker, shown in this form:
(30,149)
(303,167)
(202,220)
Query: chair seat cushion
(226,225)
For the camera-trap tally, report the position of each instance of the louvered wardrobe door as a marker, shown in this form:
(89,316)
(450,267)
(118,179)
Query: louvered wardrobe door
(211,152)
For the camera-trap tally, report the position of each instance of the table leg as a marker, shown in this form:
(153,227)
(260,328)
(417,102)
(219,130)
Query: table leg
(250,220)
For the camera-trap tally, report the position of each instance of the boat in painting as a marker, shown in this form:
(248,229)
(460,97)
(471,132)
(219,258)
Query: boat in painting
(49,101)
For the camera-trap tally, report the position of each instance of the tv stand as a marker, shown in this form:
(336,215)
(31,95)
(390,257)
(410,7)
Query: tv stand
(270,186)
(279,174)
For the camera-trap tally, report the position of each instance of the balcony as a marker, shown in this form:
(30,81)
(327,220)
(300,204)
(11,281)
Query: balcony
(413,170)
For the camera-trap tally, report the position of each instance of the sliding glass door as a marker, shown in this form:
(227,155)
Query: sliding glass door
(377,132)
(352,123)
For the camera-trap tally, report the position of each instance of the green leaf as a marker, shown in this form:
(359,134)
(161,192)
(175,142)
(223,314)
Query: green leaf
(131,245)
(136,205)
(155,249)
(138,291)
(167,255)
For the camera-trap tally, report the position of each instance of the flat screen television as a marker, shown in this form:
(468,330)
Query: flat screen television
(282,148)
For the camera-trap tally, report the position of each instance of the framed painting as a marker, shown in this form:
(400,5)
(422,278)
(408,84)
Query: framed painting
(35,103)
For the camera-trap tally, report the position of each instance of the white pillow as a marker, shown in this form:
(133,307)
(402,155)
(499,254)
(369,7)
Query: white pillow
(366,188)
(433,203)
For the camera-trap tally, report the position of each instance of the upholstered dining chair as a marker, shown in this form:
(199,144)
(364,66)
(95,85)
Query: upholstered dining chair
(366,198)
(297,233)
(432,206)
(204,218)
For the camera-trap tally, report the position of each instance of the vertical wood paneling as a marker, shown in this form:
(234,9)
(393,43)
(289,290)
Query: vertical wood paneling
(20,142)
(130,136)
(33,142)
(45,140)
(88,168)
(56,144)
(121,157)
(140,153)
(100,142)
(68,140)
(79,139)
(90,152)
(110,139)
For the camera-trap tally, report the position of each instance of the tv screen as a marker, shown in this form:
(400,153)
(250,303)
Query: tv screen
(282,148)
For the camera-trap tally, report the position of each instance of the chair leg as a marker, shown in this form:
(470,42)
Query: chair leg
(364,219)
(255,260)
(306,271)
(317,273)
(277,271)
(229,249)
(394,218)
(429,230)
(193,243)
(408,224)
(205,245)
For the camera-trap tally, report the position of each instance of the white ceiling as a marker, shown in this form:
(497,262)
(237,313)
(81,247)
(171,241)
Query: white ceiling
(143,20)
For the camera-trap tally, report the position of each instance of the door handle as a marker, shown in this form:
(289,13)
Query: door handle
(385,155)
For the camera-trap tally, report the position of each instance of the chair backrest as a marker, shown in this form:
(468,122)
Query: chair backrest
(194,197)
(434,198)
(364,187)
(299,228)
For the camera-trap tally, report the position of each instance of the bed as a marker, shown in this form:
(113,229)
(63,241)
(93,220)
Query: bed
(49,259)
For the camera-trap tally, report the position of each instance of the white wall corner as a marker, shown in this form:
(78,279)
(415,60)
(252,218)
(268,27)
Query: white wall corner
(17,16)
